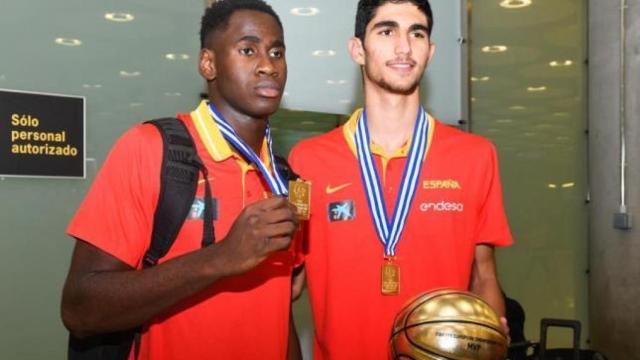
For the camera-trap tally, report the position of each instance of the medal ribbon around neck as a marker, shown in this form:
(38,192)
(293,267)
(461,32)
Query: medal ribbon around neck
(389,231)
(275,181)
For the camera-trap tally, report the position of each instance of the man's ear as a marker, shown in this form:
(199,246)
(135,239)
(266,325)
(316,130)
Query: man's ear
(356,50)
(432,51)
(207,64)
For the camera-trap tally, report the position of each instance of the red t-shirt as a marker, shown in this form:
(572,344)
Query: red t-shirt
(239,317)
(458,205)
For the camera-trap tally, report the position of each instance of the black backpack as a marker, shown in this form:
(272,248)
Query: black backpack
(178,183)
(181,166)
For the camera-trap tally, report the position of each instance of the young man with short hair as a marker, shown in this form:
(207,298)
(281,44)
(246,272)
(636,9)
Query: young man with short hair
(228,300)
(400,203)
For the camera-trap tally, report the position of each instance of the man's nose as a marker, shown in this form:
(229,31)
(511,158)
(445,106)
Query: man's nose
(403,45)
(266,66)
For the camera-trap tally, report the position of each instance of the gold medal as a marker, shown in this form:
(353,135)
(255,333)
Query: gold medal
(390,278)
(300,197)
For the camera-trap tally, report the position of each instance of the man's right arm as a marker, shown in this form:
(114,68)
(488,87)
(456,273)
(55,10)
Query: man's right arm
(103,294)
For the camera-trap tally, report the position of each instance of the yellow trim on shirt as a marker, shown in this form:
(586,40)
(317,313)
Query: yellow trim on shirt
(215,143)
(349,131)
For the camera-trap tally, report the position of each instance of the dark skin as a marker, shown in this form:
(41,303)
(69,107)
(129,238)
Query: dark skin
(245,70)
(246,74)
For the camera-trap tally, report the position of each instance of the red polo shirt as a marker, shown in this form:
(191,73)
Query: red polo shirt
(240,317)
(458,205)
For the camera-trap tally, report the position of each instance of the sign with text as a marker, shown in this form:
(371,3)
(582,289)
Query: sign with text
(41,134)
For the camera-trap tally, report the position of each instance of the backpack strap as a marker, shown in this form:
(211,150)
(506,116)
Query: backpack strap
(181,166)
(178,185)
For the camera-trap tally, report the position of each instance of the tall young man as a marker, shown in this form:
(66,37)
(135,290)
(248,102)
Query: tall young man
(229,300)
(400,202)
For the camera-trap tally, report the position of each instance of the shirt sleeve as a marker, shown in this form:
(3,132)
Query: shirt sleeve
(301,236)
(294,161)
(117,213)
(493,228)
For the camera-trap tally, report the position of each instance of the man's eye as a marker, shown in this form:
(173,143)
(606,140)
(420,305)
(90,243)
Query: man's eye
(385,32)
(247,51)
(277,53)
(419,35)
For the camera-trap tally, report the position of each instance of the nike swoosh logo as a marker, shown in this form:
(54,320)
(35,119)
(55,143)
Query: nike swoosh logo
(330,190)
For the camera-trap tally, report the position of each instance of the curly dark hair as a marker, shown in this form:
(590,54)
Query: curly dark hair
(216,17)
(367,11)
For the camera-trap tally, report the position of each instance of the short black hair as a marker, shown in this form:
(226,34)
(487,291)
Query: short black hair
(367,11)
(216,17)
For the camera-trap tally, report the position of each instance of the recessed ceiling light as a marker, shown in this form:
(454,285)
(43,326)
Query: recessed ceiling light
(515,4)
(91,86)
(561,114)
(68,42)
(126,74)
(473,99)
(552,186)
(172,94)
(481,78)
(494,48)
(119,17)
(528,134)
(336,82)
(135,104)
(561,63)
(517,107)
(536,88)
(172,56)
(568,185)
(324,53)
(504,121)
(305,11)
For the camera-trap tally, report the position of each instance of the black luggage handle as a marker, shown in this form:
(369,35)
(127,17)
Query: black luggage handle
(573,324)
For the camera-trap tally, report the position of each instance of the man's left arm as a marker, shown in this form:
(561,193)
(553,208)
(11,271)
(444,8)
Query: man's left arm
(484,278)
(294,352)
(293,347)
